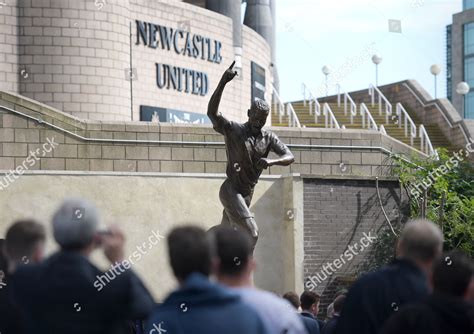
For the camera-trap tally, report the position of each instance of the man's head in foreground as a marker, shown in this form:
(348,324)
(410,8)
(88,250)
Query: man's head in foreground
(258,114)
(76,226)
(310,302)
(453,275)
(421,242)
(338,304)
(24,243)
(234,251)
(190,250)
(293,298)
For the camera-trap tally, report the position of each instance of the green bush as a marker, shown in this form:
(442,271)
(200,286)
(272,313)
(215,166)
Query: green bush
(449,184)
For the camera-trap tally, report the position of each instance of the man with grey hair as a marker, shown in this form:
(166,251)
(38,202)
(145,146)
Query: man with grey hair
(58,295)
(377,295)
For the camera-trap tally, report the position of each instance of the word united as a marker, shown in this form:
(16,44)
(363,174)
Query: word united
(182,43)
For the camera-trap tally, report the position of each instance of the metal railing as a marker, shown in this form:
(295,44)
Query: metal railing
(404,118)
(283,110)
(293,120)
(347,97)
(435,104)
(381,98)
(276,100)
(382,129)
(329,118)
(365,113)
(312,101)
(425,143)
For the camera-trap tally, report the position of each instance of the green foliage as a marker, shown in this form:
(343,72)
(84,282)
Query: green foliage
(449,184)
(382,250)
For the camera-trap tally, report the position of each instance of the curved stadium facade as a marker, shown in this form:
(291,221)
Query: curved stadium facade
(124,60)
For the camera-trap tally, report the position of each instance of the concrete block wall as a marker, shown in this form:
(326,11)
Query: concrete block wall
(9,57)
(337,213)
(148,147)
(75,53)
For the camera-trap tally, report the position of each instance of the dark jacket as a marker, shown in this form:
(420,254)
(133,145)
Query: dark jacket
(377,295)
(438,314)
(308,315)
(310,323)
(330,325)
(60,296)
(203,307)
(10,316)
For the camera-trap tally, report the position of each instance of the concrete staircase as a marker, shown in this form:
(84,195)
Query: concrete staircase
(392,128)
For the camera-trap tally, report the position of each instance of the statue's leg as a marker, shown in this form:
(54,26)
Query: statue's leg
(236,210)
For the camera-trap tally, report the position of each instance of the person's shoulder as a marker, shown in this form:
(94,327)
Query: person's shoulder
(366,280)
(416,318)
(29,271)
(309,321)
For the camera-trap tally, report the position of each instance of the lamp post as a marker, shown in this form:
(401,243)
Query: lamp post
(376,59)
(435,70)
(462,89)
(326,71)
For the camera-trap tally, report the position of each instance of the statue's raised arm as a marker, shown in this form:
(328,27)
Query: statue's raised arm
(213,106)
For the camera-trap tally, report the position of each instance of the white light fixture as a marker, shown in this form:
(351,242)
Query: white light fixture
(326,71)
(435,70)
(376,59)
(462,89)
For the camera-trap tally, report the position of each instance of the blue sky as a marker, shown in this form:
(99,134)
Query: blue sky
(344,34)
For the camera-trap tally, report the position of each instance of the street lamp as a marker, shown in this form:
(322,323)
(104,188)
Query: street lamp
(462,89)
(326,71)
(435,70)
(376,59)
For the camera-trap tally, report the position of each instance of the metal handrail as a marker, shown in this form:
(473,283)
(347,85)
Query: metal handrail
(347,97)
(333,123)
(39,120)
(281,106)
(312,101)
(292,117)
(388,106)
(401,111)
(371,124)
(382,129)
(425,145)
(439,109)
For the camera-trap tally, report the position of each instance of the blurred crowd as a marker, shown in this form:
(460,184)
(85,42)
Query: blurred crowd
(423,290)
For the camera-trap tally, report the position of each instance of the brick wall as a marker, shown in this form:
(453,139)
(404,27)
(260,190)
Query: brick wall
(336,214)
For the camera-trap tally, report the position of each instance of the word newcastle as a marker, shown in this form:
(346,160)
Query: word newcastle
(183,43)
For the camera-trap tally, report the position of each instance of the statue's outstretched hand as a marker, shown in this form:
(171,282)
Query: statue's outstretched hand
(229,74)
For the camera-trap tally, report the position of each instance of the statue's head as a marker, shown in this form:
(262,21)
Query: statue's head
(258,114)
